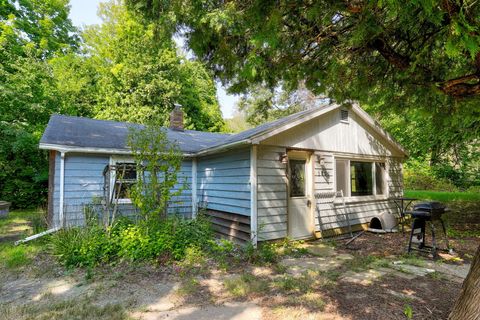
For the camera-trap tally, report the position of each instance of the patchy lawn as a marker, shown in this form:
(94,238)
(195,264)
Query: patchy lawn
(372,278)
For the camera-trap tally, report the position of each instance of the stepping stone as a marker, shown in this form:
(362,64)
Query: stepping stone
(403,296)
(297,266)
(396,273)
(418,271)
(454,270)
(364,278)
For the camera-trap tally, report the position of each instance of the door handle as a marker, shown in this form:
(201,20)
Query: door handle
(309,203)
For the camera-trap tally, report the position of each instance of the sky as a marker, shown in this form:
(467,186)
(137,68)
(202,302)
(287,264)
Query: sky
(84,12)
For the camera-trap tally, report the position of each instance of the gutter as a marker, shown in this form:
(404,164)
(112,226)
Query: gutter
(65,149)
(223,147)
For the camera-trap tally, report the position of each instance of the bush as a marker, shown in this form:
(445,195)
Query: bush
(93,245)
(420,176)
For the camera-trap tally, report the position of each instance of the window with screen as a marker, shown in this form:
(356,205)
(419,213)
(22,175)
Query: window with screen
(297,178)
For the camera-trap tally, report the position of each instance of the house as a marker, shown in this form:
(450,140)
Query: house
(262,184)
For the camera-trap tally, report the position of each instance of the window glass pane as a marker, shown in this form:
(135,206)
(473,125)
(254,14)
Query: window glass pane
(341,176)
(379,177)
(297,178)
(361,178)
(125,178)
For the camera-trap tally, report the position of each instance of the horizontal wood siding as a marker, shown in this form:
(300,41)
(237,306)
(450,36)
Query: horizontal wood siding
(84,183)
(223,181)
(271,193)
(359,212)
(231,226)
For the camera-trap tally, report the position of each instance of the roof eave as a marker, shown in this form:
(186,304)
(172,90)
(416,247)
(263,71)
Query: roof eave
(65,149)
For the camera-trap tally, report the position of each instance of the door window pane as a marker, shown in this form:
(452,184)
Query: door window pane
(341,175)
(361,178)
(297,178)
(379,177)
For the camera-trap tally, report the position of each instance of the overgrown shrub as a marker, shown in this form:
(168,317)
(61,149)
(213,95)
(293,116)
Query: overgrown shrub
(93,244)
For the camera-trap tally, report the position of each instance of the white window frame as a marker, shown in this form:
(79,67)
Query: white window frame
(347,193)
(113,161)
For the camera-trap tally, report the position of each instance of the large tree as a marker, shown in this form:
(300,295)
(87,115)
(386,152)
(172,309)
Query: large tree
(140,74)
(397,55)
(31,32)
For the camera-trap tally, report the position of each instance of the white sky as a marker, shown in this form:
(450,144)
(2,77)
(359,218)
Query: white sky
(84,12)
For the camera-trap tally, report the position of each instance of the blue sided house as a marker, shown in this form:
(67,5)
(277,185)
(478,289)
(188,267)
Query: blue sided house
(265,183)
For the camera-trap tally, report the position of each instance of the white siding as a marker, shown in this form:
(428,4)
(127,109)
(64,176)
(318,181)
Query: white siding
(223,181)
(328,133)
(359,211)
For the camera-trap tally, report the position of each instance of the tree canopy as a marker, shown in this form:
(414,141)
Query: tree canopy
(400,46)
(120,70)
(139,76)
(414,64)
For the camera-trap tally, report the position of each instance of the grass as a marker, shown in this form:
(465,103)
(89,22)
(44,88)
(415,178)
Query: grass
(245,285)
(16,225)
(66,309)
(443,196)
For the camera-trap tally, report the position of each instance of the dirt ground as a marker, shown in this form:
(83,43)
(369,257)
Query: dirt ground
(372,278)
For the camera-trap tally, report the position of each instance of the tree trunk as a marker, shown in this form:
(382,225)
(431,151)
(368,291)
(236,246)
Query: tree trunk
(467,306)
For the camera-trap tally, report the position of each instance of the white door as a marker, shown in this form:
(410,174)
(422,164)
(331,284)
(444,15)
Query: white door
(300,216)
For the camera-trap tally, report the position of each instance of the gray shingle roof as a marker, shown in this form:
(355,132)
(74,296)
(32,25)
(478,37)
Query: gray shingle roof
(90,133)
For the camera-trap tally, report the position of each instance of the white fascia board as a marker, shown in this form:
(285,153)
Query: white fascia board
(223,147)
(265,135)
(63,148)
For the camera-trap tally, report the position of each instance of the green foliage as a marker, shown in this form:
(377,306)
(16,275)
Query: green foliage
(93,245)
(408,311)
(139,75)
(120,70)
(31,32)
(159,161)
(420,176)
(413,64)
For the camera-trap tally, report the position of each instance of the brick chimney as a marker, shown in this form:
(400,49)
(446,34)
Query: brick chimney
(176,118)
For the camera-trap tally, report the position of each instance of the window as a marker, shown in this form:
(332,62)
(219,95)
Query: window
(379,177)
(341,175)
(360,178)
(343,115)
(297,178)
(125,178)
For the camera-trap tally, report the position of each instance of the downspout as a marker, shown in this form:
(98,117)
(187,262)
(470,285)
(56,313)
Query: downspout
(62,189)
(194,187)
(253,195)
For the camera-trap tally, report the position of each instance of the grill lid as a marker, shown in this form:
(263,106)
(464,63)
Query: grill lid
(433,206)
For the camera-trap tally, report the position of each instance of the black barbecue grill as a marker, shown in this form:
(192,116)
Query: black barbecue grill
(421,214)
